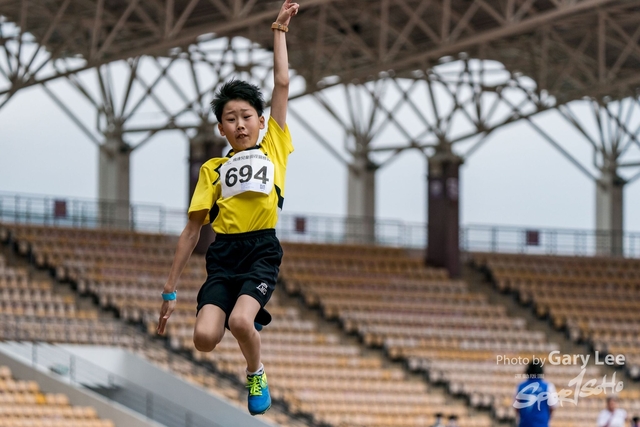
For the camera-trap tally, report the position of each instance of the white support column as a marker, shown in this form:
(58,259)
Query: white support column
(361,191)
(609,213)
(615,142)
(113,182)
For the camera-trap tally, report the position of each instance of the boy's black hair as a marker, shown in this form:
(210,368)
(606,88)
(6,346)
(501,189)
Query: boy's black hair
(237,90)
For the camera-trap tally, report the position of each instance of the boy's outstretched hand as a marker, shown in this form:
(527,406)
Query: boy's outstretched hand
(288,10)
(165,312)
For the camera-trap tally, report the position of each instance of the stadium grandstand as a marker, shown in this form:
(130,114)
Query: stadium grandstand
(376,323)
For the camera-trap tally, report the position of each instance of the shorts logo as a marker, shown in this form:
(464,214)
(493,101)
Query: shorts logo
(262,287)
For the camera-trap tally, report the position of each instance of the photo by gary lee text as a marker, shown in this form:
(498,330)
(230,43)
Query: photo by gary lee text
(555,358)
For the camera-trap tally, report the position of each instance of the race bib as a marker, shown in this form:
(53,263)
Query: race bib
(247,171)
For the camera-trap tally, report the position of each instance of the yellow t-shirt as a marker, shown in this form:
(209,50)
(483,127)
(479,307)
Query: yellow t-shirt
(249,210)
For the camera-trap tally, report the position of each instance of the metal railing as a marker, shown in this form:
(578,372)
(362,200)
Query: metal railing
(549,241)
(89,213)
(78,371)
(63,212)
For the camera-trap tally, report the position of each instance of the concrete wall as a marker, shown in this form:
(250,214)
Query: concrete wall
(148,376)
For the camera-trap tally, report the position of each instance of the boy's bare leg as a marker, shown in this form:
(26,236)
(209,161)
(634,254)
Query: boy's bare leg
(209,328)
(242,327)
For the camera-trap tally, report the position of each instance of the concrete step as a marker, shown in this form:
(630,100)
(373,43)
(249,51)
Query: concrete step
(478,282)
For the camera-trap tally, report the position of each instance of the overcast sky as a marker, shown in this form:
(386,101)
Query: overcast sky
(516,178)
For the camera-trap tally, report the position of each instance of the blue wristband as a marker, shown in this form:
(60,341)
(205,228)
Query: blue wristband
(170,296)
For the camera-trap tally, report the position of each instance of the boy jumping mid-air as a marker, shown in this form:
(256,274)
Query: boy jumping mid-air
(240,195)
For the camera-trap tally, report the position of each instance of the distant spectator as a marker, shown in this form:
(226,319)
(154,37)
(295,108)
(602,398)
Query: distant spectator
(453,421)
(612,416)
(635,421)
(535,399)
(438,422)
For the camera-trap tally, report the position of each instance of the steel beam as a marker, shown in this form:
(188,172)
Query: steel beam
(400,35)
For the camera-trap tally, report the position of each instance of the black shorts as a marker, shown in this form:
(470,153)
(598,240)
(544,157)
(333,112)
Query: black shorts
(242,264)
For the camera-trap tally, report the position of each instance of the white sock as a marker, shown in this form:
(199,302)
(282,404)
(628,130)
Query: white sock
(258,372)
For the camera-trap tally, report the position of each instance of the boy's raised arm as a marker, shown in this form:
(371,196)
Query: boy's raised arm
(280,95)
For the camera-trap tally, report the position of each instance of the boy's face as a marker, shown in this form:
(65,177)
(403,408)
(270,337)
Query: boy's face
(240,124)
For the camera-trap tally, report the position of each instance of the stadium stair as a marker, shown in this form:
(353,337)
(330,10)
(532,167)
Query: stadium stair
(335,328)
(328,318)
(480,283)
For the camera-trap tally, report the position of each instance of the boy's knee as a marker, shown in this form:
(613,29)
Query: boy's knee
(205,342)
(241,326)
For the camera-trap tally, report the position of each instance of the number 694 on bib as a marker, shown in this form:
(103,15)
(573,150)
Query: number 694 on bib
(247,173)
